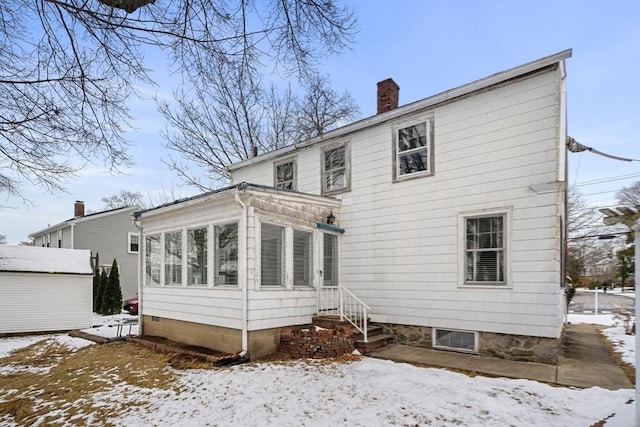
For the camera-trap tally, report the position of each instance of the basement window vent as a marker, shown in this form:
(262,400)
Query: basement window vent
(463,341)
(155,319)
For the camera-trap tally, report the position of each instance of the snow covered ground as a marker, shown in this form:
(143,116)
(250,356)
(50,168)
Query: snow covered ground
(368,392)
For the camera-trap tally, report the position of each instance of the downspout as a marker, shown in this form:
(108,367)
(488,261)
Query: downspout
(136,222)
(245,292)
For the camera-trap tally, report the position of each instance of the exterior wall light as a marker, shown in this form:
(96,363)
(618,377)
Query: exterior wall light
(331,219)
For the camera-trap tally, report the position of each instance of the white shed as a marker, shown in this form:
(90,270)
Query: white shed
(44,289)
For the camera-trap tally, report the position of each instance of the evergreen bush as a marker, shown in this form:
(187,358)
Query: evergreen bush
(112,294)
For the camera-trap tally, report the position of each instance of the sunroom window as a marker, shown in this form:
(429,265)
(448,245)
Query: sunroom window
(197,256)
(271,255)
(173,258)
(226,254)
(152,259)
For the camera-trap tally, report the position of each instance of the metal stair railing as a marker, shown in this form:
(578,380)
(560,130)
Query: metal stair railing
(340,301)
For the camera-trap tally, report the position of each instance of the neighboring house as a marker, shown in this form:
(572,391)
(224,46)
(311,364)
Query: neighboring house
(43,289)
(109,234)
(603,270)
(442,220)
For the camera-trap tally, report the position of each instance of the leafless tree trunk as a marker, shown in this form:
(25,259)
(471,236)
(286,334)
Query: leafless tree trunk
(68,68)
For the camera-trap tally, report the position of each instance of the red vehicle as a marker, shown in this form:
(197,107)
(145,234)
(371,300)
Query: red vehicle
(131,305)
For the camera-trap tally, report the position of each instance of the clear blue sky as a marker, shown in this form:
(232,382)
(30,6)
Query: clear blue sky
(428,47)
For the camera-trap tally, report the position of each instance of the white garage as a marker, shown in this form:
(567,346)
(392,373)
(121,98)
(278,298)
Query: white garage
(44,289)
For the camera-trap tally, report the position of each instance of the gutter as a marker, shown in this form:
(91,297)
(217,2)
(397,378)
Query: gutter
(242,255)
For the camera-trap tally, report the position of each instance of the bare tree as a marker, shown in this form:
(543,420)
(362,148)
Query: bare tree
(629,196)
(322,108)
(122,199)
(68,67)
(233,117)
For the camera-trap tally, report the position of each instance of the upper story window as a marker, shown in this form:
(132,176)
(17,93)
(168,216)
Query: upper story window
(285,175)
(335,169)
(413,150)
(485,249)
(133,243)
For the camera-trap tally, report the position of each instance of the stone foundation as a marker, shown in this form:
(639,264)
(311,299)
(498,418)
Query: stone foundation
(316,343)
(505,346)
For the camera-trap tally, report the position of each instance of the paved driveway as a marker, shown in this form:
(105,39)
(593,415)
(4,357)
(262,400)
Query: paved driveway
(585,302)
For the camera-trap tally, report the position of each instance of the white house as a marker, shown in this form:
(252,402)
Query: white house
(441,220)
(44,289)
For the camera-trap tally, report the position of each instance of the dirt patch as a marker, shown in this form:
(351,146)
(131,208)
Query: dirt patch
(69,382)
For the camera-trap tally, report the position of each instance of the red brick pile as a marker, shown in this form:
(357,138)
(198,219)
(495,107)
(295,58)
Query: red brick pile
(316,343)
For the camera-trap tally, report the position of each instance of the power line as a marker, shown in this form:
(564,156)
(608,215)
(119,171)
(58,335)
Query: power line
(603,180)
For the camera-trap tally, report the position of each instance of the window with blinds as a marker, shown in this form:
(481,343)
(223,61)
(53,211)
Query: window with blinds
(302,258)
(485,249)
(271,255)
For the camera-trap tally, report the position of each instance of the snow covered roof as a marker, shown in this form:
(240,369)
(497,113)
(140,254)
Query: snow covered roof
(35,259)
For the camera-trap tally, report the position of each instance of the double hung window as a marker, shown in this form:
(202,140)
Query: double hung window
(335,169)
(152,259)
(285,175)
(485,249)
(413,150)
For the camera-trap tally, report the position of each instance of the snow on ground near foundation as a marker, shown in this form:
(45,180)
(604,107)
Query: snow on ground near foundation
(107,326)
(369,392)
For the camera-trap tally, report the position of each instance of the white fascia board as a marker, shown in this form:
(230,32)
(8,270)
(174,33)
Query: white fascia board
(442,97)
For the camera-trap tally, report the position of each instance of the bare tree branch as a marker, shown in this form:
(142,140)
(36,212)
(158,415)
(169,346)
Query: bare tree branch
(69,67)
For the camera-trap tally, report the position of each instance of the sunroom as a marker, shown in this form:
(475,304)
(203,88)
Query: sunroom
(228,268)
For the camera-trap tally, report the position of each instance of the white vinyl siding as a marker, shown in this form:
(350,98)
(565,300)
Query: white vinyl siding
(40,302)
(401,252)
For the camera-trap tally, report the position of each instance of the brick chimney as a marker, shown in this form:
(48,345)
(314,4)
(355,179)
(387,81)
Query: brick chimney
(388,93)
(78,208)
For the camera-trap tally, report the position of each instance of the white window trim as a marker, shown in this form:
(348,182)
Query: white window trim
(292,160)
(397,177)
(507,212)
(129,235)
(347,167)
(457,349)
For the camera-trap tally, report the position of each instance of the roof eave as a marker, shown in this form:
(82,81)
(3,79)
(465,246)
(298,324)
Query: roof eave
(460,91)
